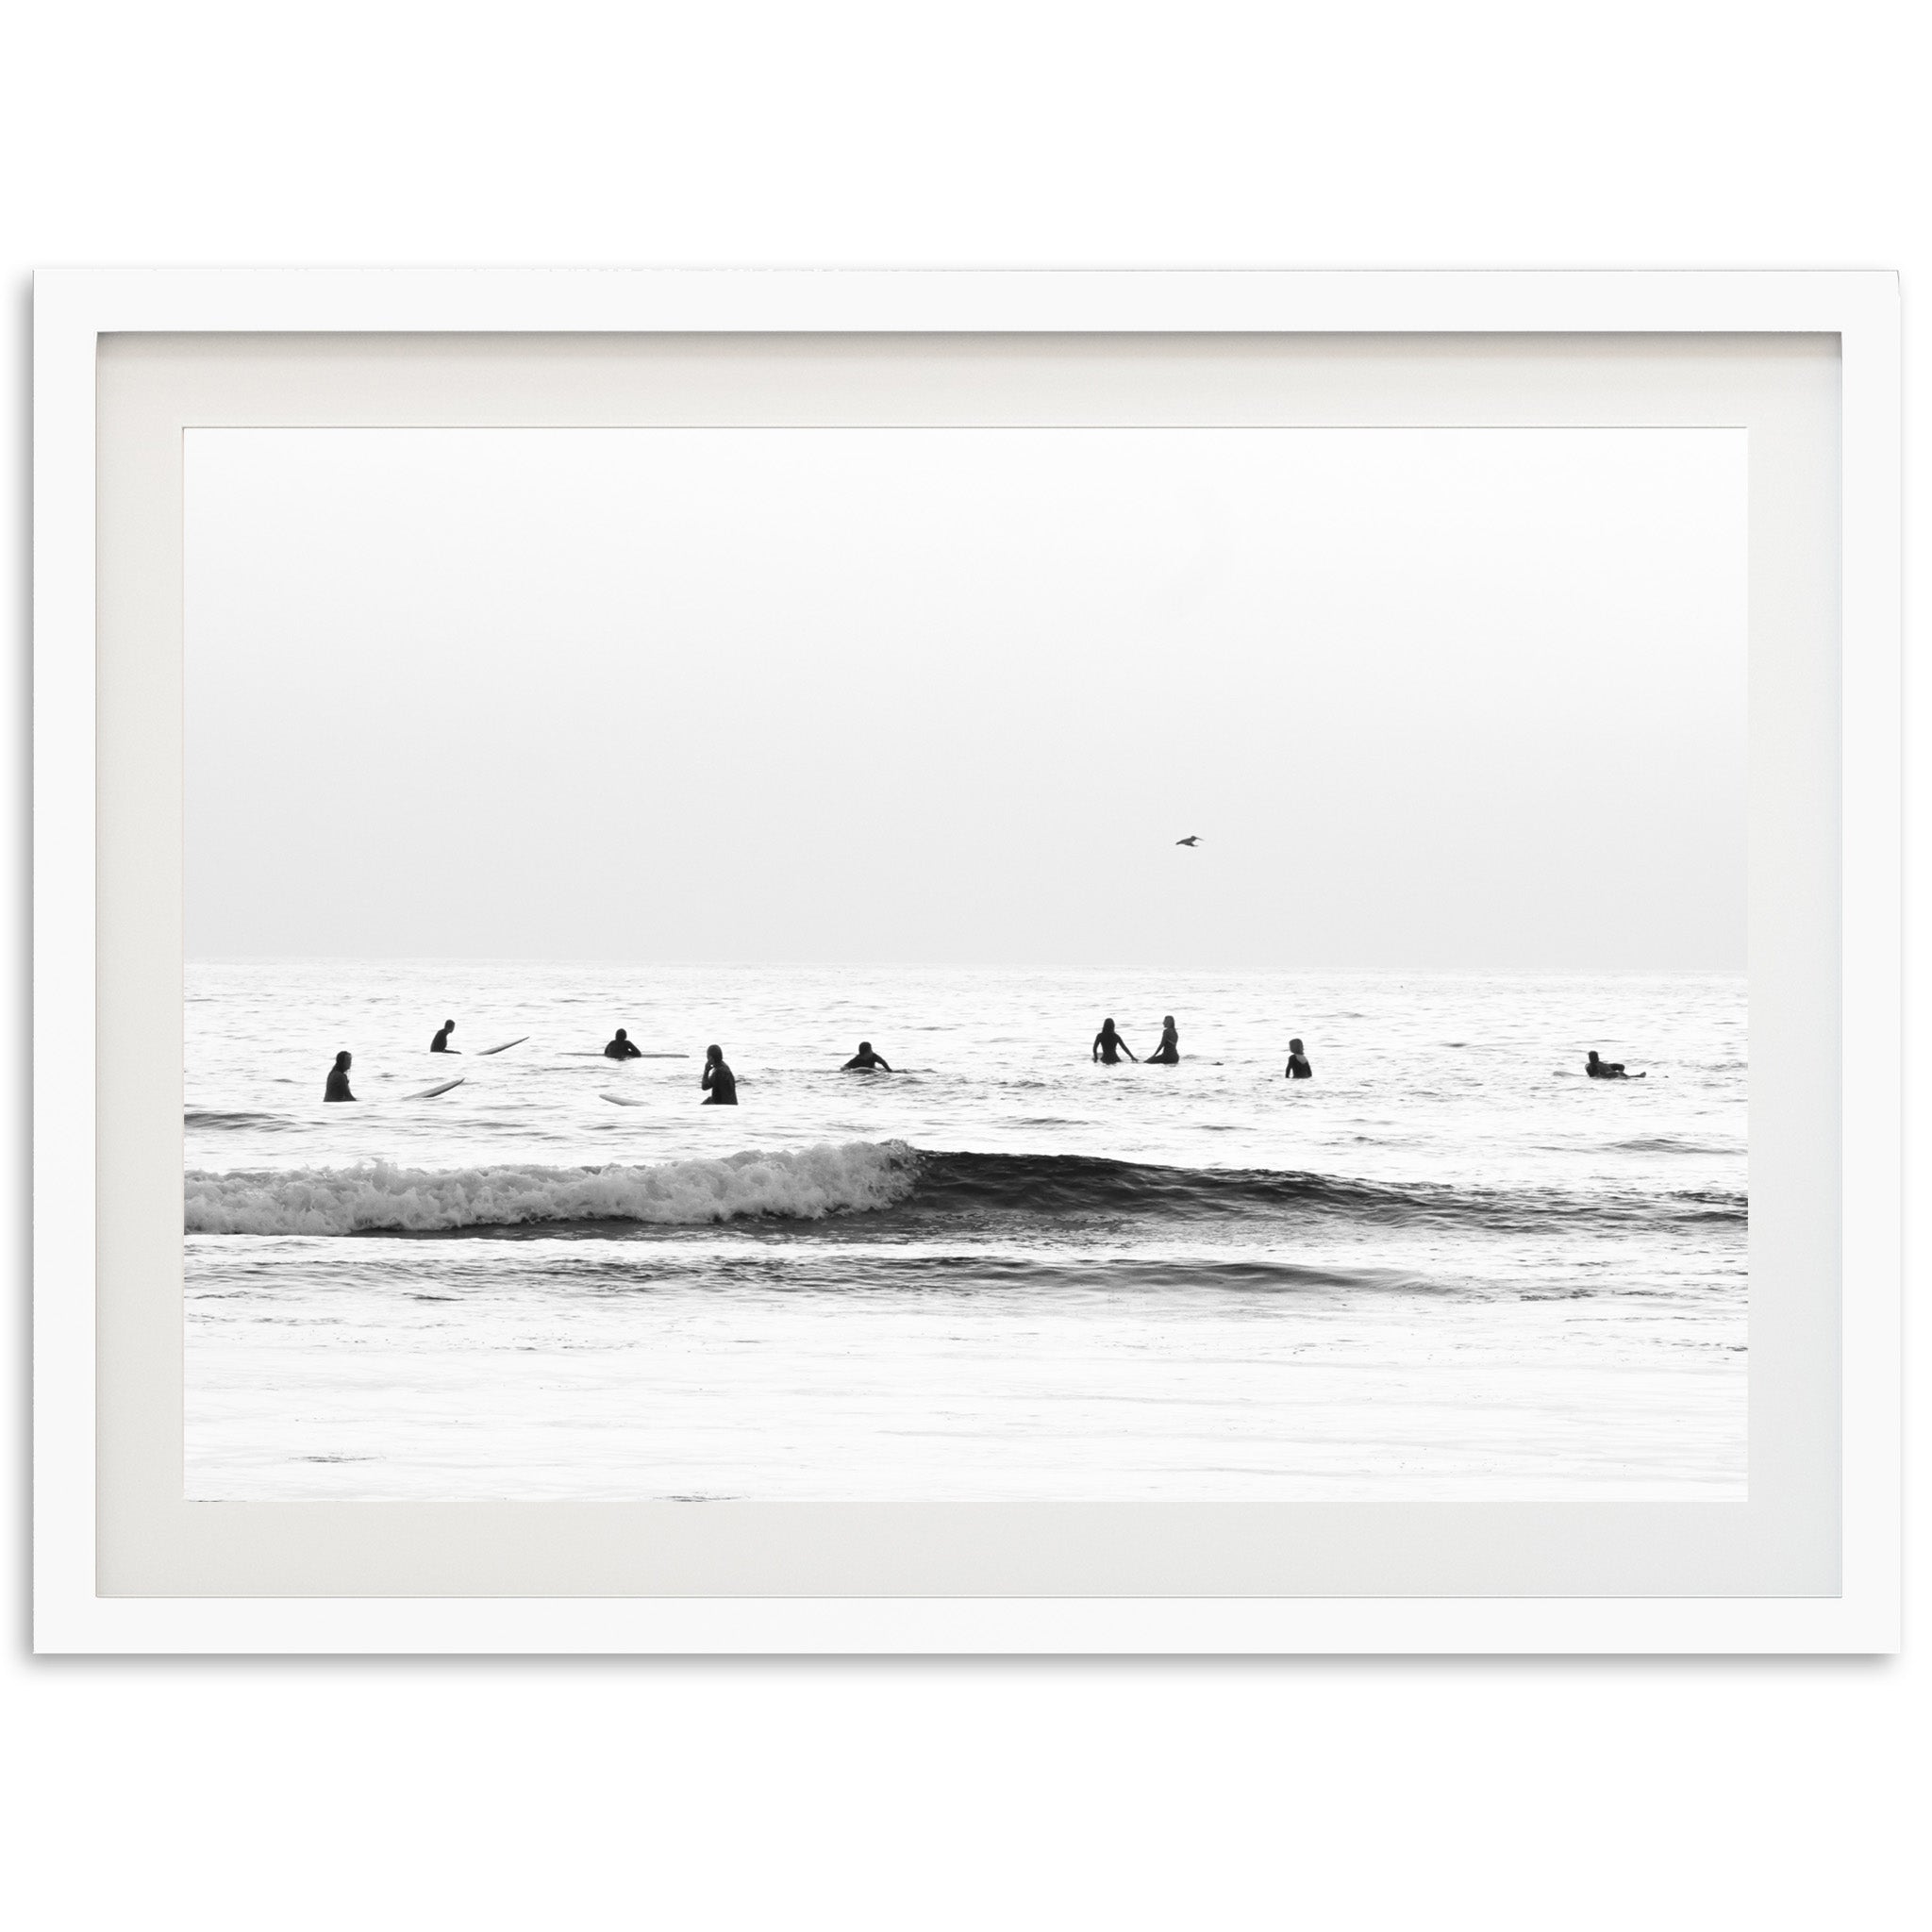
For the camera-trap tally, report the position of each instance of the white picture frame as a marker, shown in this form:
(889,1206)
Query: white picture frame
(1854,1442)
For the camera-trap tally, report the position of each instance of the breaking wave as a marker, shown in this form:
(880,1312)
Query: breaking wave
(940,1188)
(382,1198)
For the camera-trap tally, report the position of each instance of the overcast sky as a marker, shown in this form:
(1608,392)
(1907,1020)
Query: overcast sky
(1430,697)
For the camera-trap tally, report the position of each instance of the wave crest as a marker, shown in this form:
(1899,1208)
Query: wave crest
(1066,1184)
(945,1190)
(382,1198)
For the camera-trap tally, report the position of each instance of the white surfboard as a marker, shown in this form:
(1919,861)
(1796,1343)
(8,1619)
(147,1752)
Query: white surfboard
(503,1048)
(431,1092)
(584,1053)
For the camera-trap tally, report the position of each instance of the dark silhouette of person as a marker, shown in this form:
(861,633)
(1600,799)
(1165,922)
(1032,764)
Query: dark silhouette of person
(1168,1054)
(1606,1069)
(864,1061)
(337,1088)
(1108,1046)
(441,1044)
(720,1086)
(1298,1067)
(622,1048)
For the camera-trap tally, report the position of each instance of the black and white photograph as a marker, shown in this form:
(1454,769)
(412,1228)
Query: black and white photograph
(964,967)
(966,964)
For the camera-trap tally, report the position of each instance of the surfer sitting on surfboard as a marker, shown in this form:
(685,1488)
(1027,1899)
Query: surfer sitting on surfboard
(1607,1070)
(441,1044)
(1298,1067)
(721,1088)
(337,1088)
(1168,1054)
(864,1061)
(1108,1046)
(622,1048)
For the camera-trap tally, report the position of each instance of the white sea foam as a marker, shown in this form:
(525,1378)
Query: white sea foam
(809,1183)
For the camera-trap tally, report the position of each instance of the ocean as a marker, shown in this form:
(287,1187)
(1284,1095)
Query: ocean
(1447,1266)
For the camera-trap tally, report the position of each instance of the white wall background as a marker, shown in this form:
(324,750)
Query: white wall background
(1414,1793)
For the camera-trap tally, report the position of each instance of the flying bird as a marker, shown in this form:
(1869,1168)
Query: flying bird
(1192,839)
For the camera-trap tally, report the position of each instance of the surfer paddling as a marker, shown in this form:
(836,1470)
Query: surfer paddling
(1108,1046)
(441,1044)
(337,1088)
(622,1048)
(865,1061)
(1607,1070)
(720,1085)
(1168,1054)
(1298,1067)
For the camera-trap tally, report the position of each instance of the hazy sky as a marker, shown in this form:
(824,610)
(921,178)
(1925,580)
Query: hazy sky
(1430,697)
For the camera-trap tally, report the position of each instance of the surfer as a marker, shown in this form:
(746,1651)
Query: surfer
(622,1048)
(1108,1046)
(721,1088)
(864,1061)
(1168,1054)
(337,1088)
(441,1044)
(1607,1070)
(1298,1067)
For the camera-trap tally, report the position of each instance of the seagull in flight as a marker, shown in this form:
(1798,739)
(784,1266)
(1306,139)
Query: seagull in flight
(1192,839)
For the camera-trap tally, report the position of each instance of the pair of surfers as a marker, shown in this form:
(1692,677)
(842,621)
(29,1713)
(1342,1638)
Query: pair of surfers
(719,1082)
(1109,1045)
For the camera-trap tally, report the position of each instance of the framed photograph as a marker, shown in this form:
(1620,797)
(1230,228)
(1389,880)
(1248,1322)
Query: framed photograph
(1150,962)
